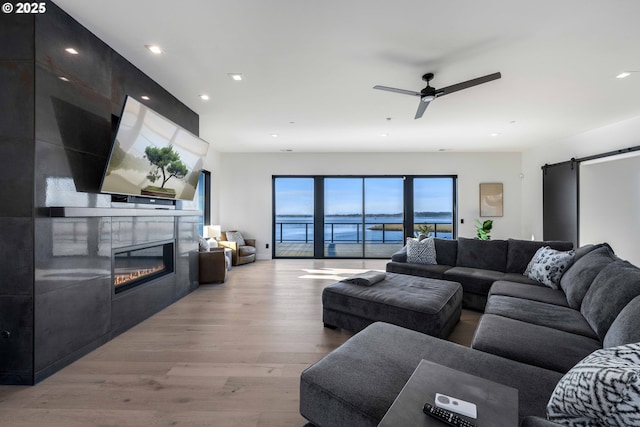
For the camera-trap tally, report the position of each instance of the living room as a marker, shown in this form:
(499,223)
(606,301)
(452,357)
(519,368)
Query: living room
(305,107)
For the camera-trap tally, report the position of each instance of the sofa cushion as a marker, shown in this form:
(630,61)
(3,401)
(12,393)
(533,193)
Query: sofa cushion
(626,328)
(433,271)
(520,278)
(602,390)
(531,344)
(421,251)
(357,383)
(520,252)
(482,254)
(539,313)
(446,251)
(575,282)
(473,280)
(400,256)
(527,291)
(548,265)
(612,289)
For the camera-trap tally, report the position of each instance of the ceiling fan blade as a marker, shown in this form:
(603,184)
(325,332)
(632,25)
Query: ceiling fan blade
(469,83)
(402,91)
(421,108)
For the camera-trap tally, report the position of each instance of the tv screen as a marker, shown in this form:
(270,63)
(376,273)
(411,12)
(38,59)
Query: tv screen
(152,156)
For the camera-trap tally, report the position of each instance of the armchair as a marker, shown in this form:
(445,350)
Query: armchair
(243,250)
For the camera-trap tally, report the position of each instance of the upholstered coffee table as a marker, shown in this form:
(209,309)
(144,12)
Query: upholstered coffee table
(425,305)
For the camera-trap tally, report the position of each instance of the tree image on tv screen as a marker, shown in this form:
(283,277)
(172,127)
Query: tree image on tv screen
(166,165)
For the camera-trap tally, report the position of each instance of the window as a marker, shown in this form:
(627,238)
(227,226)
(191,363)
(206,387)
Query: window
(358,216)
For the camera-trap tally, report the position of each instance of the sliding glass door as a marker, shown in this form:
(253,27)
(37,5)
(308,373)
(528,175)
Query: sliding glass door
(358,216)
(293,217)
(433,206)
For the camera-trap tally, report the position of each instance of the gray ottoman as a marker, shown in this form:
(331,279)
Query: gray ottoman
(425,305)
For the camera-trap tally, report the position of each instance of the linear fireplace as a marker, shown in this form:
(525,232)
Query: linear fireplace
(136,265)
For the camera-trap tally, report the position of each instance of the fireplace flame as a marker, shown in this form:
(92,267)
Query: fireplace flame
(121,279)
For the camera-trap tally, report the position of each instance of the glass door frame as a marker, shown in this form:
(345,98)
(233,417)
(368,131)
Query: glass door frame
(319,214)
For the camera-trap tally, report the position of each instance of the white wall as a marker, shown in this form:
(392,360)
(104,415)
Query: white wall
(616,136)
(610,204)
(244,183)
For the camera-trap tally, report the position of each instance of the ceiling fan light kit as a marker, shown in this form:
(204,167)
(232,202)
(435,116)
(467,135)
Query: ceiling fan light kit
(430,93)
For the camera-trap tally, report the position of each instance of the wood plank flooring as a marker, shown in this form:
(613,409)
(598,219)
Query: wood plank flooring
(228,354)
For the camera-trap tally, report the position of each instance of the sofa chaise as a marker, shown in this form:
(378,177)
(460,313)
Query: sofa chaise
(530,336)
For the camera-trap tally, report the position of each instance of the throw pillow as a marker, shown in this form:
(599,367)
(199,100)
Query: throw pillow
(421,251)
(203,245)
(601,390)
(236,236)
(548,265)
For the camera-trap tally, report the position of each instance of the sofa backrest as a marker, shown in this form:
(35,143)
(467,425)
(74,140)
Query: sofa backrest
(577,280)
(612,289)
(520,252)
(483,254)
(626,328)
(446,251)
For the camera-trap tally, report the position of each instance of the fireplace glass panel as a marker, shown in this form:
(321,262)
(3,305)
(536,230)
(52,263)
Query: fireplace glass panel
(135,266)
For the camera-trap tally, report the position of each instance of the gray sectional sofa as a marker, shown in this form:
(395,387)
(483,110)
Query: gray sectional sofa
(529,336)
(476,264)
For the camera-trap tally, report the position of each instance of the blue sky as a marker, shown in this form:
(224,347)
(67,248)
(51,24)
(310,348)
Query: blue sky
(294,196)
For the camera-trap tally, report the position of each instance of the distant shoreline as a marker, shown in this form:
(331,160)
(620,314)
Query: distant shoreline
(444,228)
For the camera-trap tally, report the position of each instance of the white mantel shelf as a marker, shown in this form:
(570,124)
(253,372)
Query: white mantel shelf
(73,212)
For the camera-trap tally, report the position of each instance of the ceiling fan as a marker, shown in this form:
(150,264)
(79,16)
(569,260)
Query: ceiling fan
(429,93)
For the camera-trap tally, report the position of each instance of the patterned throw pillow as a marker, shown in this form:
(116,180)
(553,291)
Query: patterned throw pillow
(236,236)
(601,390)
(548,265)
(421,251)
(203,244)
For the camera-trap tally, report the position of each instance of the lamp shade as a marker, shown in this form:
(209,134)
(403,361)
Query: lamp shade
(215,231)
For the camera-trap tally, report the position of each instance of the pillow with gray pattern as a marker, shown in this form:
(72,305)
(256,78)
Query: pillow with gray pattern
(603,389)
(236,236)
(548,265)
(421,251)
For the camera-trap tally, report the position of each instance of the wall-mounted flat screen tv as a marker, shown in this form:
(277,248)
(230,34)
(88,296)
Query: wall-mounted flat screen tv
(152,156)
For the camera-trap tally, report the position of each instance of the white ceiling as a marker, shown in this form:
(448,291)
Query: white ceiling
(310,65)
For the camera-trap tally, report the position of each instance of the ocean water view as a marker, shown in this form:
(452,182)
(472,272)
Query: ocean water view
(350,228)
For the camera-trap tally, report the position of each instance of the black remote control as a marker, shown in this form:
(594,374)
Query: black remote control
(446,417)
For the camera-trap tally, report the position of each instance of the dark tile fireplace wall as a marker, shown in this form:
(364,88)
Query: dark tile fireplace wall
(56,296)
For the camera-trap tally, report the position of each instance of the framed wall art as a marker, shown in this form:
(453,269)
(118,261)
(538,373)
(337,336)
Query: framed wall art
(491,198)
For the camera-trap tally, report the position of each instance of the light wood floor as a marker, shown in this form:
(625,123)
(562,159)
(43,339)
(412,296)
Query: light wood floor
(226,355)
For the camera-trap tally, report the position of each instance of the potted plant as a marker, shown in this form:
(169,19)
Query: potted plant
(483,229)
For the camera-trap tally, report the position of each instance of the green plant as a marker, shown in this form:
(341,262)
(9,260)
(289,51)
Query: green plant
(424,229)
(483,229)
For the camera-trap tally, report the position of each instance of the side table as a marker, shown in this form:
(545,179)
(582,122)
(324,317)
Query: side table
(497,404)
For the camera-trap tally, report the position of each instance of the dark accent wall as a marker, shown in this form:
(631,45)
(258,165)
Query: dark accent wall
(56,296)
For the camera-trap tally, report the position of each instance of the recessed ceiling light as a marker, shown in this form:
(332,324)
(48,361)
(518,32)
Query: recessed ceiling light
(63,78)
(71,50)
(384,134)
(155,49)
(274,135)
(495,134)
(235,76)
(145,97)
(204,97)
(623,75)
